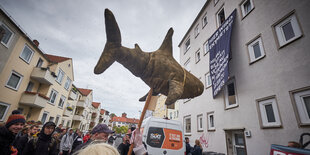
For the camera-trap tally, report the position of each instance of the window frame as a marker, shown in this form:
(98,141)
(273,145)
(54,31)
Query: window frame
(187,65)
(205,51)
(243,8)
(10,39)
(187,47)
(203,21)
(278,31)
(263,120)
(63,99)
(30,58)
(196,31)
(200,129)
(68,85)
(63,75)
(217,16)
(300,114)
(197,59)
(6,110)
(250,49)
(19,82)
(206,80)
(52,92)
(47,115)
(190,121)
(209,127)
(226,100)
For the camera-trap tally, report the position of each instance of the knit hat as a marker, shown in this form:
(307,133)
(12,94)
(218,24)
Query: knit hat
(16,117)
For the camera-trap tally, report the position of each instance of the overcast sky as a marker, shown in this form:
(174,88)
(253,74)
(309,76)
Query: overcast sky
(76,29)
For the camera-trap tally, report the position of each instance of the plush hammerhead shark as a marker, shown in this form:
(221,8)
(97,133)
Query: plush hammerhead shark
(158,69)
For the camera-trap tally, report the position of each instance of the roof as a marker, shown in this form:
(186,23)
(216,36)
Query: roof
(102,111)
(125,119)
(96,104)
(56,59)
(84,92)
(193,24)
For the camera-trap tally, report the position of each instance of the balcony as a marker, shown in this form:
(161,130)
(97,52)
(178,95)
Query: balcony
(33,99)
(94,115)
(42,75)
(67,112)
(81,104)
(77,118)
(73,95)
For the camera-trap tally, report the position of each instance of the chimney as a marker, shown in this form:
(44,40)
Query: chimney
(124,115)
(36,42)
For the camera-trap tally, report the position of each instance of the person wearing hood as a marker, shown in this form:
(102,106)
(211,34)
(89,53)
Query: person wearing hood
(44,143)
(66,143)
(13,125)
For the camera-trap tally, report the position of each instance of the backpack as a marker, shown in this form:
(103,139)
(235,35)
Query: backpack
(52,142)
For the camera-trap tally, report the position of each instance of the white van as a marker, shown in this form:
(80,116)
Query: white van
(163,137)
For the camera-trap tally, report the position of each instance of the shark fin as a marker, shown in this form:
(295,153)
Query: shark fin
(166,46)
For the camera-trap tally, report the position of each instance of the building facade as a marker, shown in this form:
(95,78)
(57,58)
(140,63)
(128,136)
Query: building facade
(266,99)
(124,121)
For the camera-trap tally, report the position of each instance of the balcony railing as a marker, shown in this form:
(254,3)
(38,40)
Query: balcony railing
(73,95)
(43,75)
(77,118)
(33,99)
(81,104)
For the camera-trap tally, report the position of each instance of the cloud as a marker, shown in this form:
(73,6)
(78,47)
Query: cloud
(75,28)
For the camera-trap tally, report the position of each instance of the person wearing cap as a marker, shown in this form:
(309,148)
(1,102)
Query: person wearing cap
(13,125)
(99,133)
(44,143)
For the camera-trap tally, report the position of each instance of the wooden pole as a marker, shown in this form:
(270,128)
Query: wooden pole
(147,102)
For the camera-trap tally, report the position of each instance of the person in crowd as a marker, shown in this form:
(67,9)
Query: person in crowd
(56,136)
(197,148)
(111,139)
(66,143)
(118,140)
(59,128)
(188,146)
(293,144)
(13,125)
(63,132)
(44,143)
(136,140)
(23,132)
(98,149)
(77,140)
(99,133)
(21,142)
(123,148)
(86,137)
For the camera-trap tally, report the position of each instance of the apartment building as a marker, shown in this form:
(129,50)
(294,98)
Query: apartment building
(162,111)
(124,121)
(82,115)
(266,98)
(173,113)
(95,113)
(104,117)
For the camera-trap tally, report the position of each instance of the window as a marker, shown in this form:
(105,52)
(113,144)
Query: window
(53,96)
(26,54)
(14,80)
(8,35)
(256,50)
(301,102)
(187,65)
(61,101)
(206,47)
(60,76)
(220,17)
(230,95)
(57,119)
(51,119)
(269,114)
(208,82)
(68,123)
(44,116)
(196,31)
(246,7)
(199,123)
(204,20)
(39,63)
(197,56)
(187,122)
(3,110)
(67,84)
(187,45)
(30,86)
(288,30)
(210,117)
(239,143)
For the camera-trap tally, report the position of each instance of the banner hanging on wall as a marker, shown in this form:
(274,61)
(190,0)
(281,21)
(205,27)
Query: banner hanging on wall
(219,44)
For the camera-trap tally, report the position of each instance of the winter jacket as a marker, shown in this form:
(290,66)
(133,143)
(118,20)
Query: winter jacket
(77,141)
(79,147)
(43,144)
(66,142)
(6,141)
(20,143)
(197,150)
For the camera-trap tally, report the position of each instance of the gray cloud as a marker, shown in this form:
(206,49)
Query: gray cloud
(75,28)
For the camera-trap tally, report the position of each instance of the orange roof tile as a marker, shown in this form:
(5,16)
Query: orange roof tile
(102,111)
(126,120)
(85,92)
(55,58)
(96,104)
